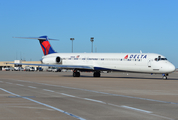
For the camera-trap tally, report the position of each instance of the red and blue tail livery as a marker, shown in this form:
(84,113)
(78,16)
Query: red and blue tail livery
(45,45)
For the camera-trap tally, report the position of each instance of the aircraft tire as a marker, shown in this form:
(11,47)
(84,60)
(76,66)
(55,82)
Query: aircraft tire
(96,74)
(165,77)
(76,74)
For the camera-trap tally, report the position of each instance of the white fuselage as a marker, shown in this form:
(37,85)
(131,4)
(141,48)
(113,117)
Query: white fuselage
(129,62)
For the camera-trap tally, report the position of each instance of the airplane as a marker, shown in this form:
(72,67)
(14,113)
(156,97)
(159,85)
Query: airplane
(151,63)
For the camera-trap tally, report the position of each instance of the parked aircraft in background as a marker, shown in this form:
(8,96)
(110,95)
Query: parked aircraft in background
(96,62)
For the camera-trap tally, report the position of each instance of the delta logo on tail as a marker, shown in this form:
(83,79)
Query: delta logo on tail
(136,56)
(45,45)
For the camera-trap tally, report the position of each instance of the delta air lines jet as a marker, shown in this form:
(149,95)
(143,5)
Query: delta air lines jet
(96,62)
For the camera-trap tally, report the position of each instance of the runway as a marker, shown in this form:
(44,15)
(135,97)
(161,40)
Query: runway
(113,96)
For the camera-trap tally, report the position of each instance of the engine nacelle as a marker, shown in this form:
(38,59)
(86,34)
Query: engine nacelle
(52,60)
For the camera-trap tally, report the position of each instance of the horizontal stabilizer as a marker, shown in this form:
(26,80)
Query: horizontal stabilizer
(38,38)
(45,45)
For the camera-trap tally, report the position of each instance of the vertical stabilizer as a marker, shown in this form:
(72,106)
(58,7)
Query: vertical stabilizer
(45,45)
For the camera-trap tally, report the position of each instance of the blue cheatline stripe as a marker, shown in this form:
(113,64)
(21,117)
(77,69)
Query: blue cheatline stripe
(57,109)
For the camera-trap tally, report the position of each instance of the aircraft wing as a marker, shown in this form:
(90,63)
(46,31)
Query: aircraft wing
(59,66)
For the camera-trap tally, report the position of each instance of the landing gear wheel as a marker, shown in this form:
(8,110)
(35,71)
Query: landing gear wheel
(165,77)
(76,74)
(96,74)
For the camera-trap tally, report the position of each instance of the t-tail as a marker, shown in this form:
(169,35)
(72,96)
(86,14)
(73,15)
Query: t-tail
(45,45)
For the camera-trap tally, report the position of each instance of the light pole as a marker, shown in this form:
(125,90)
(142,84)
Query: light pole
(95,49)
(92,39)
(72,39)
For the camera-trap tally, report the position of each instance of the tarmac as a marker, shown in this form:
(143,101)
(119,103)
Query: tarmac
(113,96)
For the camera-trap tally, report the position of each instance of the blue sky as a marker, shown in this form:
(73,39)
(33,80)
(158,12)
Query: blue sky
(116,25)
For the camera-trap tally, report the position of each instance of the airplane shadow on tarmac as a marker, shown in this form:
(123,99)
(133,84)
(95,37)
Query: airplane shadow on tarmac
(85,76)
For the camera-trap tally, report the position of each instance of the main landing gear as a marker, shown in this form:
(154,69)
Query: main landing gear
(165,76)
(76,73)
(96,74)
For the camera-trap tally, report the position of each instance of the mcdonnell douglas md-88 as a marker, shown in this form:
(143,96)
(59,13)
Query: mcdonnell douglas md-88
(96,62)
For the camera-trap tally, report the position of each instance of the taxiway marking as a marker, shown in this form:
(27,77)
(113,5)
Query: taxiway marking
(49,106)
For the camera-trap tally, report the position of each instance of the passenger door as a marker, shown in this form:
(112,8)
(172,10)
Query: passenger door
(149,62)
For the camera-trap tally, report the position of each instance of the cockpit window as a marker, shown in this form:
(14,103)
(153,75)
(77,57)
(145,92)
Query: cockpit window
(159,58)
(163,58)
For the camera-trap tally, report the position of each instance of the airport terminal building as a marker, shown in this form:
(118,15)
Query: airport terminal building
(4,64)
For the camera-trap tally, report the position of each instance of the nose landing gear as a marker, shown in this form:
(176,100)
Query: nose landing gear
(165,76)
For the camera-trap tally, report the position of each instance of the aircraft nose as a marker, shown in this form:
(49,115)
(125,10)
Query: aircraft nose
(171,68)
